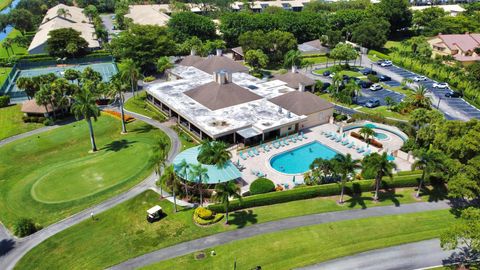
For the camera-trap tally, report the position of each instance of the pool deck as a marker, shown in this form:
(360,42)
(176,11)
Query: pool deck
(262,161)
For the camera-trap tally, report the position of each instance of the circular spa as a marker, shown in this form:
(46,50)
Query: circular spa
(298,160)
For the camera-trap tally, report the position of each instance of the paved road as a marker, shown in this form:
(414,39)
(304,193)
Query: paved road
(274,226)
(108,23)
(13,249)
(30,133)
(403,257)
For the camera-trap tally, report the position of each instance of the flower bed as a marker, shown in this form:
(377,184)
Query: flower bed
(204,216)
(127,118)
(370,141)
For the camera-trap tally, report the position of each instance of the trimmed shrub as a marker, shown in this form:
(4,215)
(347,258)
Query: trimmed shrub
(373,78)
(204,222)
(149,79)
(47,122)
(261,185)
(309,192)
(4,101)
(204,213)
(24,227)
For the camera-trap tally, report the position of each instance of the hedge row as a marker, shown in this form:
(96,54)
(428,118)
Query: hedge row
(309,192)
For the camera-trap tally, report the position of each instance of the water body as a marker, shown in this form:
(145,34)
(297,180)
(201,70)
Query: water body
(9,28)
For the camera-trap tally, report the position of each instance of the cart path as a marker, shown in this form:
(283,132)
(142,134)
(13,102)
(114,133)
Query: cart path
(274,226)
(12,249)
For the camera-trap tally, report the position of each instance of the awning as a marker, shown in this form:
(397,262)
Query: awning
(248,132)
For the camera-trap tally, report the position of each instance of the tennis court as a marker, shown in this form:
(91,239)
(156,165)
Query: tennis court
(106,69)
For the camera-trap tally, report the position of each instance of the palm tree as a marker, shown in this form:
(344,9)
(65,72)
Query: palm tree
(130,72)
(366,132)
(170,177)
(321,169)
(199,173)
(7,44)
(292,59)
(84,106)
(63,12)
(406,82)
(381,166)
(27,85)
(163,63)
(42,97)
(429,162)
(116,88)
(72,75)
(337,81)
(214,153)
(223,192)
(345,166)
(183,169)
(159,159)
(419,99)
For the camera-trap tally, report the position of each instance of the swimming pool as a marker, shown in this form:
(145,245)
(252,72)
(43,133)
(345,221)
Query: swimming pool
(381,136)
(298,160)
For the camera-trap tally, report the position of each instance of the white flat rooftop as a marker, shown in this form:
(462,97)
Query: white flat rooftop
(261,114)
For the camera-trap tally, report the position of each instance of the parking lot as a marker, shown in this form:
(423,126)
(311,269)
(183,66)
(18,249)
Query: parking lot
(453,108)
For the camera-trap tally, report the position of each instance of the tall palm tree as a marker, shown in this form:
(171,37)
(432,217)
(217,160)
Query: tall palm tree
(116,88)
(366,132)
(84,106)
(381,166)
(220,154)
(183,169)
(345,166)
(292,58)
(200,174)
(159,159)
(63,12)
(429,162)
(337,81)
(72,75)
(129,71)
(170,177)
(419,99)
(7,44)
(223,192)
(42,97)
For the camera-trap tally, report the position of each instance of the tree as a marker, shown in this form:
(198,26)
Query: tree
(58,42)
(464,233)
(72,75)
(323,169)
(344,51)
(256,59)
(419,98)
(429,162)
(186,24)
(381,166)
(8,44)
(183,169)
(84,106)
(144,44)
(170,177)
(372,33)
(214,153)
(21,19)
(90,11)
(346,167)
(397,12)
(199,174)
(159,159)
(130,72)
(292,59)
(390,102)
(27,85)
(42,97)
(64,12)
(274,44)
(223,192)
(366,132)
(424,17)
(24,227)
(332,38)
(116,88)
(89,74)
(163,63)
(474,70)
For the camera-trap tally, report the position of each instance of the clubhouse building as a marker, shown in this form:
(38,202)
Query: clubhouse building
(215,98)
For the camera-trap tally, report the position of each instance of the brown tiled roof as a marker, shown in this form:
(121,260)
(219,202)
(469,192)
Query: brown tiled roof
(215,63)
(302,103)
(217,96)
(190,60)
(294,79)
(238,50)
(31,106)
(463,41)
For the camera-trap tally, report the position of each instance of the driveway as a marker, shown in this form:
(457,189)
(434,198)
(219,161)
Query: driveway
(108,23)
(273,226)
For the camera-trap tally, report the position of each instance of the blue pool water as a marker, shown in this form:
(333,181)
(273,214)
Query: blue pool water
(298,160)
(381,136)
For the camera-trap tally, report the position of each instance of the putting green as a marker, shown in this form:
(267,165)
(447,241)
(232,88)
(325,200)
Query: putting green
(52,175)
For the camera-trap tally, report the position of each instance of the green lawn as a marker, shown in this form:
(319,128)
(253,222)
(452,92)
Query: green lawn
(4,3)
(122,232)
(328,97)
(349,73)
(16,48)
(4,71)
(186,139)
(316,59)
(385,112)
(139,105)
(312,244)
(11,122)
(52,175)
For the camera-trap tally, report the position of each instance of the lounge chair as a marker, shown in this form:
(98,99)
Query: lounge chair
(303,135)
(345,142)
(351,145)
(253,172)
(242,156)
(333,137)
(367,152)
(266,148)
(285,141)
(339,138)
(255,151)
(329,134)
(250,153)
(276,145)
(293,139)
(360,150)
(299,137)
(322,132)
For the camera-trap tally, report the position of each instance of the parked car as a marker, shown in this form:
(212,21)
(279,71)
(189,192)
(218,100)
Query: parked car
(379,62)
(372,103)
(376,87)
(440,85)
(453,94)
(419,78)
(332,75)
(326,73)
(364,84)
(345,77)
(367,71)
(325,87)
(384,78)
(355,79)
(386,63)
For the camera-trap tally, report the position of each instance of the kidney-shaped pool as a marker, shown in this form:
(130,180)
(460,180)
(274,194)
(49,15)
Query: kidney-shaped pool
(298,160)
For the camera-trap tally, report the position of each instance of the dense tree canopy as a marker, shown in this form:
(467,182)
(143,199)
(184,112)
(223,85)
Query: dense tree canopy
(397,12)
(372,33)
(184,25)
(274,44)
(66,42)
(423,18)
(144,44)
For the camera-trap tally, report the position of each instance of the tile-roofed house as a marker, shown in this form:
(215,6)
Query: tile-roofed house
(74,14)
(213,63)
(148,15)
(31,108)
(313,46)
(296,80)
(460,46)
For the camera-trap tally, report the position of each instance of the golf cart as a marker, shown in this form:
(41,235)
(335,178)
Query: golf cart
(154,214)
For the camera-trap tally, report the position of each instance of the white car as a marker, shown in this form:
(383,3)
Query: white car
(332,75)
(375,87)
(440,85)
(419,78)
(386,63)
